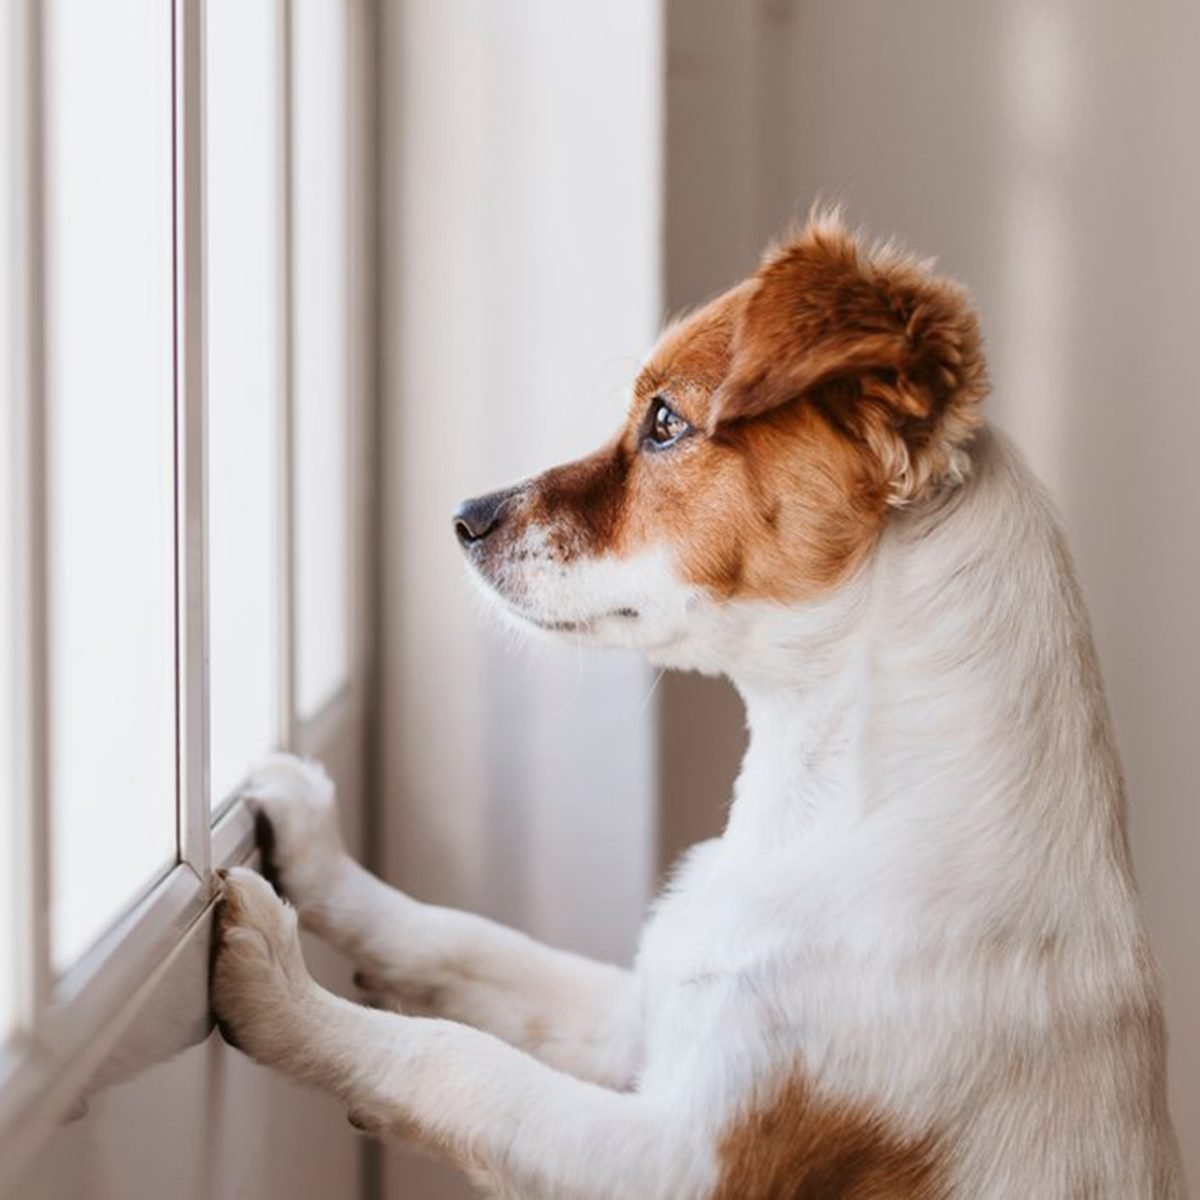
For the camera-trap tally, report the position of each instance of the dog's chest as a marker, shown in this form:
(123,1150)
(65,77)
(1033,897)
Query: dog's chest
(702,926)
(717,954)
(750,966)
(725,915)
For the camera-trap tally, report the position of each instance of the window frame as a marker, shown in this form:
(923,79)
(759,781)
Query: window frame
(66,1025)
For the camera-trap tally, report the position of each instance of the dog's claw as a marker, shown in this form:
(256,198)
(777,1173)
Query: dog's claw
(264,839)
(227,1034)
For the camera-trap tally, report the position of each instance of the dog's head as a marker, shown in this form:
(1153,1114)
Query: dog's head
(769,434)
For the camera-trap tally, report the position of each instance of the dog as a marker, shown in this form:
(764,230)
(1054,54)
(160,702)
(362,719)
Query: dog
(914,964)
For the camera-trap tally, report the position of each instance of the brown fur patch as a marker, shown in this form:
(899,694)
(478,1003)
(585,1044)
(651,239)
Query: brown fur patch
(793,1147)
(831,384)
(591,493)
(891,350)
(778,508)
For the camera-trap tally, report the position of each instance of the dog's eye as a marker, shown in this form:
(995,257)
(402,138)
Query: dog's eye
(666,425)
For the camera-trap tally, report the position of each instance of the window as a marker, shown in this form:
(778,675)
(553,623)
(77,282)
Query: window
(109,459)
(175,504)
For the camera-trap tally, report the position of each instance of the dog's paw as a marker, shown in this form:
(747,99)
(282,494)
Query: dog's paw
(261,991)
(296,827)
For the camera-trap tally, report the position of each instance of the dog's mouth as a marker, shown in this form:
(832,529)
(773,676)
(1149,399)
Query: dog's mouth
(503,573)
(596,603)
(576,624)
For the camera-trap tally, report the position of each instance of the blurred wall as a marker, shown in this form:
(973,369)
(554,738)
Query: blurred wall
(520,257)
(1047,151)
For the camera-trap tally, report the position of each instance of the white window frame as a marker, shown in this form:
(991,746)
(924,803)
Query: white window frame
(66,1026)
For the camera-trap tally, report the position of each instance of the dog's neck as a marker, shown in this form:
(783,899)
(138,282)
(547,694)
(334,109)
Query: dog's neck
(939,676)
(802,767)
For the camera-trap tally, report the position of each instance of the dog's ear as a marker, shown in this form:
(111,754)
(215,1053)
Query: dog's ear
(888,350)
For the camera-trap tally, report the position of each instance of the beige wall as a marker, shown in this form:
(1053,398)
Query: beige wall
(1047,152)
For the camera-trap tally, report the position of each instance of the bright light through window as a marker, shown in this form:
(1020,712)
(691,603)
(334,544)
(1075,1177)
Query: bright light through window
(319,359)
(8,814)
(109,339)
(243,384)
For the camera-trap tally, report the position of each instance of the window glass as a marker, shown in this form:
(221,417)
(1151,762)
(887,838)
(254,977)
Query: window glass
(243,385)
(8,815)
(319,357)
(110,491)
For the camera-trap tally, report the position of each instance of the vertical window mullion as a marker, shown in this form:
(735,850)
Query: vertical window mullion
(190,416)
(33,790)
(287,493)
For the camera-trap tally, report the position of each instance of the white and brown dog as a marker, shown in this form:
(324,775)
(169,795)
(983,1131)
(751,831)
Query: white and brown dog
(914,964)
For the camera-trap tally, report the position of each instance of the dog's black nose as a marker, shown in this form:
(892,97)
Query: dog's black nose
(475,519)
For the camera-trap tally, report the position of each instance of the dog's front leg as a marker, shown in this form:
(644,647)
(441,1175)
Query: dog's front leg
(580,1016)
(495,1111)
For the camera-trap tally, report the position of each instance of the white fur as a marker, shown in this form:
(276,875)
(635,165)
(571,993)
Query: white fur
(923,900)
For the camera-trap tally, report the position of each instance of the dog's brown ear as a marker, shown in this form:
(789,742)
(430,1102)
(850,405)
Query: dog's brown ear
(890,351)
